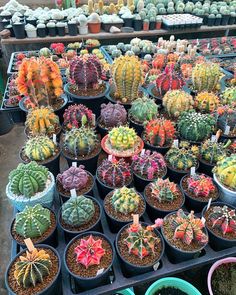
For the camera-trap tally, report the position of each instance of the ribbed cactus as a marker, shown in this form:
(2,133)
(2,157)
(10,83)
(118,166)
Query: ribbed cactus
(206,76)
(80,142)
(28,179)
(195,126)
(42,121)
(32,222)
(200,185)
(143,109)
(113,115)
(226,116)
(212,152)
(177,101)
(206,102)
(122,138)
(85,71)
(127,76)
(229,96)
(159,132)
(125,200)
(39,148)
(164,190)
(73,178)
(77,211)
(32,268)
(225,171)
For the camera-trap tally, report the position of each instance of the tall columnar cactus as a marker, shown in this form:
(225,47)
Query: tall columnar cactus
(212,152)
(28,179)
(77,211)
(229,96)
(195,126)
(80,142)
(206,102)
(160,132)
(206,76)
(122,138)
(143,109)
(114,173)
(32,222)
(85,71)
(32,268)
(200,185)
(127,76)
(226,116)
(73,178)
(225,171)
(39,148)
(177,101)
(113,115)
(164,190)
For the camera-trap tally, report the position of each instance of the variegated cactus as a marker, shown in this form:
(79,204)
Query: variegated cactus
(39,148)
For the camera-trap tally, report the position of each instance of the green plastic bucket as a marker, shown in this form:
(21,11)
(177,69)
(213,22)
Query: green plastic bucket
(126,292)
(172,282)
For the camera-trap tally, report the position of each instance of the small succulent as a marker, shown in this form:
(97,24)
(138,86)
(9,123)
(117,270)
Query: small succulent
(212,152)
(164,190)
(226,116)
(201,185)
(206,102)
(122,138)
(113,115)
(229,96)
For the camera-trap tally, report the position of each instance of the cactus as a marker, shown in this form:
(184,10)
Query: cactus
(159,61)
(164,190)
(77,211)
(32,268)
(226,116)
(177,101)
(159,132)
(122,138)
(206,102)
(223,218)
(169,79)
(212,152)
(127,76)
(80,142)
(195,126)
(113,115)
(225,171)
(206,76)
(73,178)
(28,179)
(143,109)
(140,241)
(39,148)
(200,185)
(229,96)
(114,173)
(76,116)
(32,222)
(188,228)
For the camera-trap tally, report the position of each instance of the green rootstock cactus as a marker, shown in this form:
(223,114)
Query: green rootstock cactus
(28,179)
(32,222)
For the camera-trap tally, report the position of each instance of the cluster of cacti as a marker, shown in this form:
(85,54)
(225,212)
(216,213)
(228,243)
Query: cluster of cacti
(122,138)
(89,252)
(206,76)
(77,211)
(226,116)
(169,79)
(188,228)
(113,115)
(40,80)
(32,222)
(80,142)
(206,102)
(143,109)
(32,268)
(164,190)
(73,178)
(149,164)
(39,148)
(212,152)
(125,200)
(78,115)
(229,96)
(225,171)
(140,241)
(200,185)
(177,101)
(223,218)
(127,76)
(160,132)
(28,179)
(42,121)
(114,173)
(85,71)
(195,126)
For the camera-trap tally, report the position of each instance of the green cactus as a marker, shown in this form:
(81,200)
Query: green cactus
(212,152)
(122,138)
(32,222)
(39,148)
(229,96)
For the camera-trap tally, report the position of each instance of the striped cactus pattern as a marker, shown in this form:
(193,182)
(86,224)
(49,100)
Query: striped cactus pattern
(40,148)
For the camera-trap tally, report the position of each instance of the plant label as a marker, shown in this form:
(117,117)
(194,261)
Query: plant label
(208,45)
(142,152)
(213,138)
(29,244)
(110,158)
(203,220)
(193,171)
(209,204)
(54,138)
(176,143)
(135,219)
(100,271)
(94,119)
(227,130)
(74,164)
(156,265)
(73,192)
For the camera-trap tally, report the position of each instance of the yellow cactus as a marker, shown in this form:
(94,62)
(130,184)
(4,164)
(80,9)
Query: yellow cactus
(112,8)
(122,138)
(206,102)
(90,6)
(100,6)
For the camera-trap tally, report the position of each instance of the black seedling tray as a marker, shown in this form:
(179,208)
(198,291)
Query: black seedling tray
(223,58)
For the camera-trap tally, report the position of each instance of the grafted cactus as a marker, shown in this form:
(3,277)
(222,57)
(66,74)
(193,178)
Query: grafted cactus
(113,115)
(226,116)
(122,138)
(212,152)
(206,102)
(201,185)
(164,190)
(229,96)
(39,148)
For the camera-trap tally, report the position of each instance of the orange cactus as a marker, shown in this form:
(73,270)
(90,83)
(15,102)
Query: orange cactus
(159,61)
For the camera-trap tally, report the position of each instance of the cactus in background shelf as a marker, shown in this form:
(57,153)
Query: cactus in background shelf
(122,138)
(226,116)
(201,185)
(32,268)
(177,101)
(164,190)
(113,115)
(212,152)
(39,148)
(32,222)
(127,76)
(206,102)
(229,96)
(28,179)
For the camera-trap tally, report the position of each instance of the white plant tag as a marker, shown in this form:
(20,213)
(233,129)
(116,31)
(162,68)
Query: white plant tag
(54,138)
(209,204)
(203,220)
(176,143)
(110,158)
(208,45)
(227,130)
(74,164)
(73,192)
(94,119)
(192,171)
(156,265)
(142,152)
(100,271)
(213,138)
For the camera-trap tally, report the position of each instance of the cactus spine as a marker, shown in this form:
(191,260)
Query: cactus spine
(125,200)
(143,109)
(39,148)
(122,138)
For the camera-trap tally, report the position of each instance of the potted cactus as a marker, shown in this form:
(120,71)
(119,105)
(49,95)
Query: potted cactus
(52,30)
(94,23)
(85,255)
(158,22)
(226,121)
(228,96)
(74,178)
(138,22)
(83,27)
(211,20)
(206,102)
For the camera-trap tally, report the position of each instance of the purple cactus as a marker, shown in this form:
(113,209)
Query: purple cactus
(113,115)
(73,178)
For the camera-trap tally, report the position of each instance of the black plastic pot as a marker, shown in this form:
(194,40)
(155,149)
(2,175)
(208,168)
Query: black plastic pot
(218,21)
(54,287)
(137,127)
(176,175)
(132,269)
(10,28)
(231,20)
(140,183)
(52,32)
(210,22)
(19,30)
(225,20)
(32,22)
(17,116)
(61,31)
(128,22)
(42,32)
(102,131)
(162,150)
(107,26)
(72,29)
(150,89)
(138,24)
(152,25)
(205,167)
(5,123)
(90,283)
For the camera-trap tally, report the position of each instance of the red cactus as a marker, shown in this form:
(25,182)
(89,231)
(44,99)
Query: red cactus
(200,185)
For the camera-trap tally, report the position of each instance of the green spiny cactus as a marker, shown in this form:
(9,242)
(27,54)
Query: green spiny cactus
(39,148)
(122,138)
(229,96)
(212,152)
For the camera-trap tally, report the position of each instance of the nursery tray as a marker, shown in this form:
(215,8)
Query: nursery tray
(222,58)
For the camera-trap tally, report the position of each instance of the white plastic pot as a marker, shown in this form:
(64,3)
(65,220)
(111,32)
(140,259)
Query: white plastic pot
(83,30)
(227,196)
(31,33)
